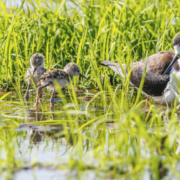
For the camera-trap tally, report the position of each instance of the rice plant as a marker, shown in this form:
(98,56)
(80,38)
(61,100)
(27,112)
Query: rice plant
(103,130)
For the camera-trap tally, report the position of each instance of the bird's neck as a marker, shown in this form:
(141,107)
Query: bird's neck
(38,67)
(69,74)
(71,77)
(177,65)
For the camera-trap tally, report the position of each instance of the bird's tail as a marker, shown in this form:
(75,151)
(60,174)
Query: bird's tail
(115,67)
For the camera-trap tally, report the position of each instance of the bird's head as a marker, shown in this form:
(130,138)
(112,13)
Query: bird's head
(73,70)
(176,45)
(37,61)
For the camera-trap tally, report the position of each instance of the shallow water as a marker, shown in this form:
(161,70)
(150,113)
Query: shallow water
(46,137)
(45,144)
(18,3)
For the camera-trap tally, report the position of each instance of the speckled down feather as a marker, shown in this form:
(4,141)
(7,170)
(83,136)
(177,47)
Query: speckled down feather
(36,75)
(54,74)
(36,62)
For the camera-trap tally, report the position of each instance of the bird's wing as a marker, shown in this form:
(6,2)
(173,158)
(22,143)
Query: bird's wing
(54,74)
(154,85)
(61,74)
(155,82)
(43,70)
(114,66)
(156,63)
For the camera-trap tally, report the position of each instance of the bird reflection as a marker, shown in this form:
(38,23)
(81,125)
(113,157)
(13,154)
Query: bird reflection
(52,132)
(34,137)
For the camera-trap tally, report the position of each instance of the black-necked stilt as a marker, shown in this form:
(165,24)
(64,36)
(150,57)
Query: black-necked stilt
(61,76)
(35,70)
(161,67)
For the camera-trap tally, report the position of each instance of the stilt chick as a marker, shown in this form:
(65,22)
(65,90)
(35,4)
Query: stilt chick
(36,70)
(62,76)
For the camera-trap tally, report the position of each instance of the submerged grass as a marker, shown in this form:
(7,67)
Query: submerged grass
(112,134)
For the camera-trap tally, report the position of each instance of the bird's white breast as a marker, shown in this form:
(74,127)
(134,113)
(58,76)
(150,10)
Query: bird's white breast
(172,89)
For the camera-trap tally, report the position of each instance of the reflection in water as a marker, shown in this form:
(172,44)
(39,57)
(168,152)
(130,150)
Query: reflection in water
(34,137)
(52,132)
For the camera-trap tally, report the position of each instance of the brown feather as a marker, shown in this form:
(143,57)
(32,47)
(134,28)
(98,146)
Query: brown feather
(54,73)
(155,82)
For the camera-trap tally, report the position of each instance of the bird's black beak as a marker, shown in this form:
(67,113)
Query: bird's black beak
(176,57)
(83,76)
(34,70)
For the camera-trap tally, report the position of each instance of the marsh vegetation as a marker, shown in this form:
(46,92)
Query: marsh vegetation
(100,128)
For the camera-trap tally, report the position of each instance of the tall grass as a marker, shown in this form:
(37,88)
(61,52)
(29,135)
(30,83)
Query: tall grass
(86,32)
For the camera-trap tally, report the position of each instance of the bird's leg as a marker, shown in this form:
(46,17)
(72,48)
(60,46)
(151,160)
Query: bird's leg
(37,115)
(39,92)
(26,96)
(147,99)
(52,109)
(52,99)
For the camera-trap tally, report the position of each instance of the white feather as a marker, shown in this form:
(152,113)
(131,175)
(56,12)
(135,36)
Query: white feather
(171,91)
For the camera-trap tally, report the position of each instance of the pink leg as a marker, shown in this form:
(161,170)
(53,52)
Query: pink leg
(147,99)
(39,95)
(52,99)
(37,115)
(26,96)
